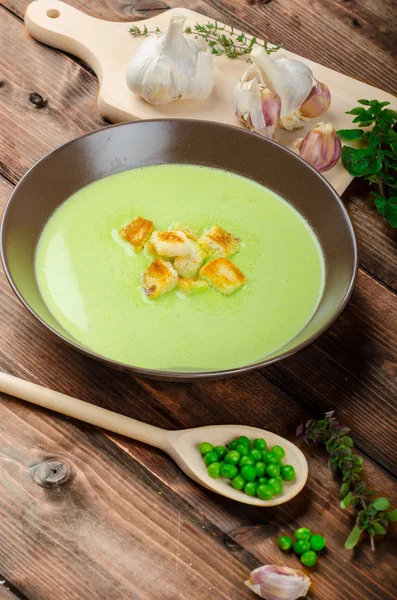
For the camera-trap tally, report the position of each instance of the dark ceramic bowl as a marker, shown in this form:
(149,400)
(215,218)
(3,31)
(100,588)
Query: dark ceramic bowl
(90,157)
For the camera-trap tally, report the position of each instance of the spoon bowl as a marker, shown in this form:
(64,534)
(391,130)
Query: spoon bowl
(182,445)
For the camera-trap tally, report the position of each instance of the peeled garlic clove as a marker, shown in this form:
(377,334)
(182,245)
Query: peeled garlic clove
(171,67)
(317,102)
(272,582)
(256,106)
(321,147)
(290,79)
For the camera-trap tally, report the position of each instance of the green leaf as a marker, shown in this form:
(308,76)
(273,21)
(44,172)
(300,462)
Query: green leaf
(347,441)
(375,140)
(353,538)
(380,503)
(391,217)
(359,162)
(350,134)
(388,112)
(356,111)
(393,147)
(347,500)
(378,528)
(366,123)
(365,102)
(344,489)
(391,515)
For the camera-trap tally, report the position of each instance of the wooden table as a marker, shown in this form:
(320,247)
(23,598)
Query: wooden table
(111,519)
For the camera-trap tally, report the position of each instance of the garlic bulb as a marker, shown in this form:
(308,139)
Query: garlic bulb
(317,102)
(255,105)
(171,67)
(290,79)
(321,147)
(272,582)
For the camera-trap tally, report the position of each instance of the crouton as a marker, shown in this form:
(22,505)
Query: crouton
(223,275)
(159,278)
(170,243)
(191,286)
(137,232)
(187,230)
(188,266)
(220,242)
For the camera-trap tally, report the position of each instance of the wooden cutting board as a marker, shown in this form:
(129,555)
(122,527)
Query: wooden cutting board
(107,48)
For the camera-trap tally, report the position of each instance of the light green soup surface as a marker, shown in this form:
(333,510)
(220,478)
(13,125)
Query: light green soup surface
(90,279)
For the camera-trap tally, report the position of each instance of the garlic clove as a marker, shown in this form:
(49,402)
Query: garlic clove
(271,108)
(321,147)
(317,102)
(171,67)
(272,582)
(290,79)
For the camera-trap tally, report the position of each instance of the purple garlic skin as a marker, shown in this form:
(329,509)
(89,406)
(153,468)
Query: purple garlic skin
(321,147)
(317,102)
(271,109)
(273,582)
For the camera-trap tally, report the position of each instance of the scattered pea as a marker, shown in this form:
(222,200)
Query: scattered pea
(284,543)
(278,451)
(229,471)
(301,546)
(221,451)
(276,486)
(288,472)
(238,482)
(242,449)
(232,457)
(205,447)
(244,440)
(210,457)
(260,469)
(264,492)
(246,460)
(303,533)
(270,458)
(260,444)
(309,558)
(248,473)
(214,470)
(272,470)
(250,488)
(317,542)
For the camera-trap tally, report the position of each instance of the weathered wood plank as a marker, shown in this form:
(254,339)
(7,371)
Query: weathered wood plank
(5,593)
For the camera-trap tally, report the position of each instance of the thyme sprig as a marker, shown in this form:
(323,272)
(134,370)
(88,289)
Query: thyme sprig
(220,38)
(373,514)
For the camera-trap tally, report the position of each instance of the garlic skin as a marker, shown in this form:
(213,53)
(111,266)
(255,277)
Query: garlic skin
(317,102)
(321,147)
(256,105)
(290,79)
(272,582)
(171,67)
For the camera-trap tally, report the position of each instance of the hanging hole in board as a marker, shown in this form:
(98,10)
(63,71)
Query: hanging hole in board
(53,13)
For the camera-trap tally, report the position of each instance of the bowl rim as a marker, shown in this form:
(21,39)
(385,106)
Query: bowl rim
(180,375)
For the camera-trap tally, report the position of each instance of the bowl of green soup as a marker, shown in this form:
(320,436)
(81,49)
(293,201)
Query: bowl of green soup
(179,249)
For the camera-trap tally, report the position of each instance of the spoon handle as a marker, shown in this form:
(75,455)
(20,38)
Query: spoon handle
(84,411)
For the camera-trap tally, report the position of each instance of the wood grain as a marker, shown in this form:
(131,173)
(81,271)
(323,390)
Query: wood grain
(5,593)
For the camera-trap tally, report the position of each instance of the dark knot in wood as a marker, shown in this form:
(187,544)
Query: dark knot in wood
(38,100)
(51,473)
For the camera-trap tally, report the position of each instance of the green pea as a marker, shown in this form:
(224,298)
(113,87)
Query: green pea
(288,472)
(214,470)
(262,480)
(248,473)
(233,445)
(260,469)
(309,558)
(246,460)
(317,542)
(260,444)
(238,482)
(255,454)
(270,459)
(210,457)
(278,452)
(232,457)
(303,533)
(301,546)
(229,471)
(242,449)
(264,492)
(276,486)
(244,440)
(221,451)
(272,470)
(250,488)
(205,447)
(284,542)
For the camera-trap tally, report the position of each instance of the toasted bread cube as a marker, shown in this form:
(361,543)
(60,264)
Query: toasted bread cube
(159,278)
(150,249)
(170,243)
(191,286)
(188,266)
(223,275)
(187,230)
(137,232)
(220,242)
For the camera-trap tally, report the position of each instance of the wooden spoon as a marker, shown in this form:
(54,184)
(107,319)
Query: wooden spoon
(181,445)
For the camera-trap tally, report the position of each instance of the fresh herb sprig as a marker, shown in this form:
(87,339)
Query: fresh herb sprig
(220,38)
(373,514)
(377,161)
